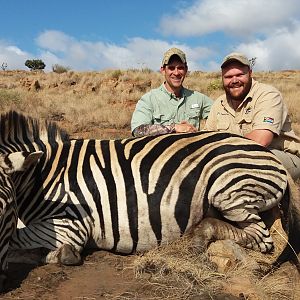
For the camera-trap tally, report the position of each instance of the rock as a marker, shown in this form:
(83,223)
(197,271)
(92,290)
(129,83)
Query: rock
(226,254)
(30,84)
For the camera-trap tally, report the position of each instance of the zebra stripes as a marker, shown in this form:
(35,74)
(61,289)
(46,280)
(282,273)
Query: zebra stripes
(17,161)
(134,194)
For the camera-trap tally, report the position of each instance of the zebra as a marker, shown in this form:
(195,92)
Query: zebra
(130,195)
(9,163)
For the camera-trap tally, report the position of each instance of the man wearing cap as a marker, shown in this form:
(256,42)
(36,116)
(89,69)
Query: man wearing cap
(256,111)
(171,107)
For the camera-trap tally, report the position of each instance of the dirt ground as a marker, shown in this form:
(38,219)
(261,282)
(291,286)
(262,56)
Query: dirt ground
(104,275)
(101,276)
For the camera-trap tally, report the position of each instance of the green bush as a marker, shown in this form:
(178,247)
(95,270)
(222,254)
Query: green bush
(35,64)
(215,85)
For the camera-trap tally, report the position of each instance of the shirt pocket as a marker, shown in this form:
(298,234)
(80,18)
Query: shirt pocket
(163,119)
(246,125)
(223,122)
(193,116)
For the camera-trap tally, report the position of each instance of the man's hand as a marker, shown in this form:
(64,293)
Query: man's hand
(184,126)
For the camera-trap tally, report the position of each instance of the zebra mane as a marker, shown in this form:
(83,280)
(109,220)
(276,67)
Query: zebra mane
(16,127)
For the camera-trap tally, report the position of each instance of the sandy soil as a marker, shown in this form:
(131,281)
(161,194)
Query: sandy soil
(104,275)
(101,276)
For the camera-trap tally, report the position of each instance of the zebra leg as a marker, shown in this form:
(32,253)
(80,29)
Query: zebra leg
(65,255)
(60,241)
(254,235)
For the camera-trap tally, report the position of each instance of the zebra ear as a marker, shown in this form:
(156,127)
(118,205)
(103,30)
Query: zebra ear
(20,161)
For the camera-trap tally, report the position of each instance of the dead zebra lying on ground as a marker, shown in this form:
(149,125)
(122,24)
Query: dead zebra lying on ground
(134,194)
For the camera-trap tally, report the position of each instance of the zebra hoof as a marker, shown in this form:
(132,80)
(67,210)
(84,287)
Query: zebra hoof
(2,282)
(69,256)
(203,234)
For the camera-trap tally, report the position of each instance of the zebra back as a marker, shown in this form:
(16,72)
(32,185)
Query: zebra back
(23,133)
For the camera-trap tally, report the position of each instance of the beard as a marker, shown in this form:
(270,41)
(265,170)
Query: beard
(239,93)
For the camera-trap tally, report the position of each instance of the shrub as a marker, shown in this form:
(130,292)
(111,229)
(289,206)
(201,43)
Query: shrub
(146,70)
(60,69)
(214,85)
(35,64)
(252,62)
(4,66)
(116,74)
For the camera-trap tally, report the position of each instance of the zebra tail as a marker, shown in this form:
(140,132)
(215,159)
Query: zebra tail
(292,249)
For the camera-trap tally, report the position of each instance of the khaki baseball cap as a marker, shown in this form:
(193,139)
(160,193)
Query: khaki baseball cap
(235,56)
(170,53)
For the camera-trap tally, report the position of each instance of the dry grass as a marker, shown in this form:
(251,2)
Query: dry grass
(179,271)
(87,100)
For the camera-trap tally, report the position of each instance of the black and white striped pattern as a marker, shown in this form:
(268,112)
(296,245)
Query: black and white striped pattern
(133,194)
(17,161)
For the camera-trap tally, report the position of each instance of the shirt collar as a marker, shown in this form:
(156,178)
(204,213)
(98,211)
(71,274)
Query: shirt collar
(171,95)
(251,92)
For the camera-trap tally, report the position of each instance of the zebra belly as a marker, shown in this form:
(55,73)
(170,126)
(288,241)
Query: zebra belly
(145,236)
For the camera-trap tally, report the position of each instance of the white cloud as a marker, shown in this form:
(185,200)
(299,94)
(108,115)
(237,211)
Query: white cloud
(235,17)
(279,51)
(57,47)
(13,56)
(149,53)
(268,30)
(54,41)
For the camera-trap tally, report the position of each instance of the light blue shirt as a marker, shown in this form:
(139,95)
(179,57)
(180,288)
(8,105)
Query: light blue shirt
(159,106)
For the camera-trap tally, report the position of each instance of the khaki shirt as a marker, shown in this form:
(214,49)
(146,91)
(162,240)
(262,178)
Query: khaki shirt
(262,108)
(159,106)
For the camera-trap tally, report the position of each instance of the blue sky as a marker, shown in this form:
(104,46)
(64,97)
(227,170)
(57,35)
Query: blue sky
(121,34)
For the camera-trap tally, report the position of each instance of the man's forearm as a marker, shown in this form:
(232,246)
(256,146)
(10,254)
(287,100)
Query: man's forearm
(153,129)
(263,137)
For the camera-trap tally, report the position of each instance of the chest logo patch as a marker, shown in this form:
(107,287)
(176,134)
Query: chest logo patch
(195,105)
(268,120)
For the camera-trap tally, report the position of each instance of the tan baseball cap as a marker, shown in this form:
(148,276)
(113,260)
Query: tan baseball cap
(235,56)
(170,53)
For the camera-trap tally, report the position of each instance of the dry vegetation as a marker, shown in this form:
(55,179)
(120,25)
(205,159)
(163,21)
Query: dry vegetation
(99,105)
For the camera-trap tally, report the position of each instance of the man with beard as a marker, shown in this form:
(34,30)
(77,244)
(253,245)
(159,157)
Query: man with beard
(170,107)
(256,111)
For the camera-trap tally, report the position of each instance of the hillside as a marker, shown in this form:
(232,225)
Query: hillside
(100,104)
